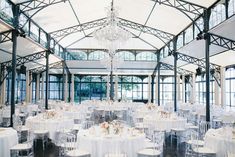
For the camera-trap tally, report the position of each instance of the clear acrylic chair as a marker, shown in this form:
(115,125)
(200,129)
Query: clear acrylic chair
(69,147)
(41,135)
(157,150)
(197,149)
(23,149)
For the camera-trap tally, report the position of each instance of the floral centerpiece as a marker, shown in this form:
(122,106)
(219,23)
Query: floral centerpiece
(117,127)
(105,127)
(113,127)
(151,106)
(165,114)
(49,114)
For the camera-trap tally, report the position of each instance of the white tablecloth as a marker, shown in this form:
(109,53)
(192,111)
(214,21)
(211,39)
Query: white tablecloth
(52,125)
(98,146)
(216,140)
(8,138)
(165,123)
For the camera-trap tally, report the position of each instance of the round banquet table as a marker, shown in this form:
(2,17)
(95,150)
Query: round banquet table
(111,108)
(165,124)
(8,138)
(216,140)
(98,146)
(52,125)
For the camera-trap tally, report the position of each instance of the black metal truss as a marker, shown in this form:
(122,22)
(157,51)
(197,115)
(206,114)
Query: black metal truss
(78,28)
(200,63)
(183,6)
(145,29)
(165,66)
(59,64)
(26,59)
(103,22)
(5,36)
(37,4)
(222,41)
(196,61)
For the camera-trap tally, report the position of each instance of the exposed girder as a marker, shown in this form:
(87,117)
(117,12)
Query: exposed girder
(183,6)
(200,63)
(196,61)
(41,69)
(222,41)
(26,59)
(37,4)
(165,66)
(5,36)
(103,22)
(78,28)
(145,29)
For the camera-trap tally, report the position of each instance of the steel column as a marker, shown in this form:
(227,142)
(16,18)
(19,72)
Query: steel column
(183,88)
(15,10)
(207,58)
(175,73)
(158,78)
(152,88)
(47,80)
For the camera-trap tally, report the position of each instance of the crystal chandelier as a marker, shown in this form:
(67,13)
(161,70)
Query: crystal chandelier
(112,37)
(111,63)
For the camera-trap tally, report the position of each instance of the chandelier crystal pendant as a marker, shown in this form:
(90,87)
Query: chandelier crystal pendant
(112,37)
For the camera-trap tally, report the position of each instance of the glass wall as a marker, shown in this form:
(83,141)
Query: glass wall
(55,87)
(167,89)
(20,92)
(133,88)
(89,88)
(230,87)
(201,90)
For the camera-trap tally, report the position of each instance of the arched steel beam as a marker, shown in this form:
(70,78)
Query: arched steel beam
(145,29)
(78,28)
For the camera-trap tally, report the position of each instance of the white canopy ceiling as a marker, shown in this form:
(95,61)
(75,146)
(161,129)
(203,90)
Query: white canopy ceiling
(144,12)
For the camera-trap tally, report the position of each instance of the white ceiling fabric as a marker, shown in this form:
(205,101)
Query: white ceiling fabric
(163,17)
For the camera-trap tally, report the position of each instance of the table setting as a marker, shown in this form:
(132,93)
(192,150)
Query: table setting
(164,121)
(221,140)
(51,121)
(8,138)
(112,137)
